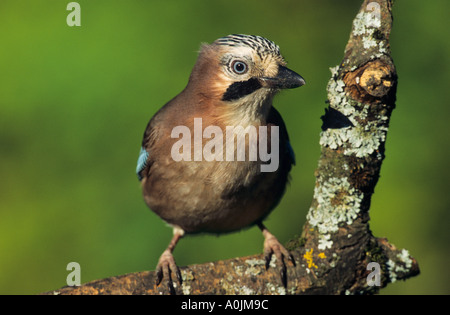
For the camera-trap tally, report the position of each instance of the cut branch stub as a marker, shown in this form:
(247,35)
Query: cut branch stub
(373,80)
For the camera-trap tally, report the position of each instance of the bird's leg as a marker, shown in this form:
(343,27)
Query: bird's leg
(166,263)
(273,247)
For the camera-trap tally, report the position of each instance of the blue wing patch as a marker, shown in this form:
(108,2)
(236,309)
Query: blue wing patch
(291,152)
(141,162)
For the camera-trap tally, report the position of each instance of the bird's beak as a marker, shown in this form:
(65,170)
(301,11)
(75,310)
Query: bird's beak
(285,79)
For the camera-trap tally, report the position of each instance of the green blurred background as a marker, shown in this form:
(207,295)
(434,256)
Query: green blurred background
(74,102)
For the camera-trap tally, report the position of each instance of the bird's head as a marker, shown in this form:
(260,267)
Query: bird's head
(242,73)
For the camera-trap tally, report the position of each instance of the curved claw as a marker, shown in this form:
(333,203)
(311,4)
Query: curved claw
(273,247)
(165,267)
(166,264)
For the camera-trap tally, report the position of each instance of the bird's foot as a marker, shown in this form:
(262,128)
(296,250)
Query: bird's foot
(273,247)
(166,266)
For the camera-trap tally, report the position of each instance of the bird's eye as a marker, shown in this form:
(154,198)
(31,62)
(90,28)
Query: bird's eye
(239,67)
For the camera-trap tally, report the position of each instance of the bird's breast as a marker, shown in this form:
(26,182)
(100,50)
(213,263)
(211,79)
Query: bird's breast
(214,186)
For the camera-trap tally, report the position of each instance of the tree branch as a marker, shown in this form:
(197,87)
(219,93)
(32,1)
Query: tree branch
(336,245)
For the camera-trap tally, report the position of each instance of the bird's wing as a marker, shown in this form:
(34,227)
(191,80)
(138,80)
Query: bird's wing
(276,119)
(142,162)
(145,159)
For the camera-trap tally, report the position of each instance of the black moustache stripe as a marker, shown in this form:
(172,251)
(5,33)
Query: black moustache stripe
(240,89)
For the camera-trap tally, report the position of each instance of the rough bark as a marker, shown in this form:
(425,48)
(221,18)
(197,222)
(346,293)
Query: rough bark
(336,245)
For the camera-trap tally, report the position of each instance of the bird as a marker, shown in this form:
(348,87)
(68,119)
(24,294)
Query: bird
(232,83)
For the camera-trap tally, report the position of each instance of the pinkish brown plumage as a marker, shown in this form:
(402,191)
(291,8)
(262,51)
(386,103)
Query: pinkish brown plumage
(232,84)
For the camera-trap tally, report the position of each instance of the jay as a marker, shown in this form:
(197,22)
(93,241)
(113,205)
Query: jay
(232,84)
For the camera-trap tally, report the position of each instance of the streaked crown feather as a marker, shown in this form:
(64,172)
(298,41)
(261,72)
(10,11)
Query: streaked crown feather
(260,44)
